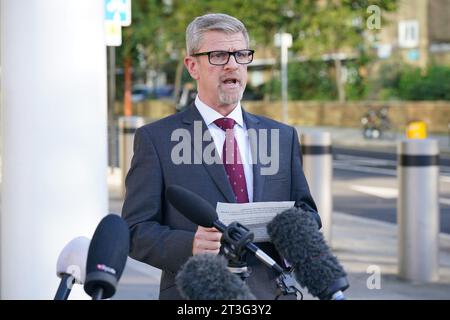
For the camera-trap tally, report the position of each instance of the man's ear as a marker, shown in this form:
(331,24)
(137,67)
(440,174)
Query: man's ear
(191,64)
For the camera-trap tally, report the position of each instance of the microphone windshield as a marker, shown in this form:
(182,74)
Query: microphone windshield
(72,259)
(295,235)
(192,206)
(107,256)
(206,277)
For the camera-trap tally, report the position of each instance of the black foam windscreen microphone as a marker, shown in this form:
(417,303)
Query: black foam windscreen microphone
(71,266)
(107,257)
(201,212)
(295,235)
(206,277)
(192,206)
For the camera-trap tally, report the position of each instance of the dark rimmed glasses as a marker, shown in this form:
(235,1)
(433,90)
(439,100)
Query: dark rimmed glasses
(220,58)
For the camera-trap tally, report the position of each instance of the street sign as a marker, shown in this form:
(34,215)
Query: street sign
(408,34)
(118,10)
(113,33)
(117,15)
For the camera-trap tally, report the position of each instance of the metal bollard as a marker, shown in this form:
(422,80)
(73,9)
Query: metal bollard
(418,210)
(318,169)
(127,128)
(448,134)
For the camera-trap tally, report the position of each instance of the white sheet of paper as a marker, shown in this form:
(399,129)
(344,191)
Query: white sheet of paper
(253,215)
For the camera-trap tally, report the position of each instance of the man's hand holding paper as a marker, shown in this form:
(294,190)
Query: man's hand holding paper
(254,215)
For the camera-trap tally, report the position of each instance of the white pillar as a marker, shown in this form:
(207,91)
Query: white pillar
(54,184)
(318,169)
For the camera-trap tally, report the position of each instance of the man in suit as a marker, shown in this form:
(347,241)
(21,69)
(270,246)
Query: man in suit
(217,57)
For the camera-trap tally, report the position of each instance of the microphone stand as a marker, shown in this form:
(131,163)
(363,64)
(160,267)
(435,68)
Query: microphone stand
(97,294)
(65,286)
(235,238)
(287,285)
(234,241)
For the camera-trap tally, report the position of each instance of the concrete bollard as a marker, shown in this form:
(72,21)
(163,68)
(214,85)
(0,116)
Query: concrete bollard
(127,128)
(418,210)
(318,169)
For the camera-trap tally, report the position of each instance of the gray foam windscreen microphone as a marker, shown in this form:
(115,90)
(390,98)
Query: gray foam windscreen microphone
(72,259)
(206,277)
(295,234)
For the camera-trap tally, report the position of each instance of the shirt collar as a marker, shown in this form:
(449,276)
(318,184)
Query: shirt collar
(210,115)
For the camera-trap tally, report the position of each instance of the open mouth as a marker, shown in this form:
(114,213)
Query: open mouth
(231,82)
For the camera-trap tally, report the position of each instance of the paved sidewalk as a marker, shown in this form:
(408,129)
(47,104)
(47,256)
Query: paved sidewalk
(357,242)
(360,243)
(139,281)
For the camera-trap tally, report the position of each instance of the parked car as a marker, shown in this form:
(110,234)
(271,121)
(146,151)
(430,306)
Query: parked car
(165,91)
(141,93)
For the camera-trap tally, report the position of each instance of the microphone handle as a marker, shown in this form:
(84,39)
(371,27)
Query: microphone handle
(97,294)
(253,248)
(64,289)
(339,295)
(334,291)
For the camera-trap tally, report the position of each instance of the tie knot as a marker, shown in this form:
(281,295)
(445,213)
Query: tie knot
(225,123)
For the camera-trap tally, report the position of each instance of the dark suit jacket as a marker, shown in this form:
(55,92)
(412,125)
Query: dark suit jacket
(163,237)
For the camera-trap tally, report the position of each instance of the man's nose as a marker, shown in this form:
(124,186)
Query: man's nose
(232,64)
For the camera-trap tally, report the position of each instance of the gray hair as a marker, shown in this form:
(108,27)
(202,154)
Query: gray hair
(211,22)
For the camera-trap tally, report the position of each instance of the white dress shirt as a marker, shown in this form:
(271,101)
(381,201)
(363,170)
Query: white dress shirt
(209,115)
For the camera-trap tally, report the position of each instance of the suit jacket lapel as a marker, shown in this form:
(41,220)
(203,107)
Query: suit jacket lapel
(258,180)
(215,170)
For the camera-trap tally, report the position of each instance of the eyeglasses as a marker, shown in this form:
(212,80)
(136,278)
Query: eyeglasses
(220,58)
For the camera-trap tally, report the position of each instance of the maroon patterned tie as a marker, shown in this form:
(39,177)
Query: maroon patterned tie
(232,160)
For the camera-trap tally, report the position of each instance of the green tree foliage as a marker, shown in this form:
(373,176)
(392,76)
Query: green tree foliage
(156,38)
(398,81)
(434,84)
(309,80)
(145,40)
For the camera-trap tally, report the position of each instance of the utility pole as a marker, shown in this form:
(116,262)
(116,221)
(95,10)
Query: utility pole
(284,40)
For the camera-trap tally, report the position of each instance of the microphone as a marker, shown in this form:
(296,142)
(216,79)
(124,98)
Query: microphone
(201,212)
(295,235)
(71,266)
(107,256)
(206,277)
